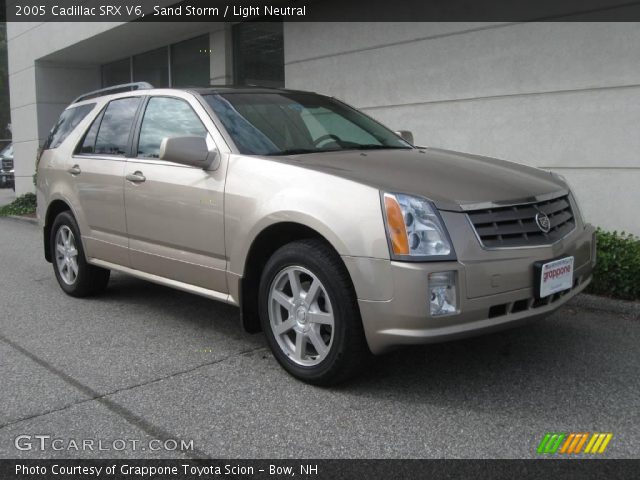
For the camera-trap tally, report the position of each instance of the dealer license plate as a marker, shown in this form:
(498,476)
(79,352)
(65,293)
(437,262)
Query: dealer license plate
(556,276)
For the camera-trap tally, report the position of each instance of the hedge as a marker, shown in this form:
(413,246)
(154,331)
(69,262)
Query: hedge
(23,205)
(617,273)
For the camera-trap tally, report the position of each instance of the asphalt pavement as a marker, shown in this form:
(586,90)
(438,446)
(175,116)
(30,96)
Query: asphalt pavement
(144,362)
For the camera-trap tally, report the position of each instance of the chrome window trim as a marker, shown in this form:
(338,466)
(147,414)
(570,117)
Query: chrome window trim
(98,156)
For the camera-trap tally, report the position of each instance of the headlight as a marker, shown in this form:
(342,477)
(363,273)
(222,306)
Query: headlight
(414,228)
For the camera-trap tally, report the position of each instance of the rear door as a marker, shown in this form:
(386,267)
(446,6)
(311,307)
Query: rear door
(97,168)
(175,217)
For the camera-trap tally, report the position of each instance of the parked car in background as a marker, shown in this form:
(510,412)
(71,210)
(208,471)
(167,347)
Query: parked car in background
(7,174)
(333,234)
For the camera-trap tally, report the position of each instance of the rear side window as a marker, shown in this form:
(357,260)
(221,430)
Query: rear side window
(67,122)
(88,144)
(109,132)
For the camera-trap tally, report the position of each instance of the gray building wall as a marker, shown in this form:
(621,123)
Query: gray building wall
(560,96)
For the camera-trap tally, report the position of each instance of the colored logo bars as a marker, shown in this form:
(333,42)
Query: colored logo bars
(573,443)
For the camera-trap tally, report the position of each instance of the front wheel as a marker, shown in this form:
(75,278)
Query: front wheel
(309,313)
(75,276)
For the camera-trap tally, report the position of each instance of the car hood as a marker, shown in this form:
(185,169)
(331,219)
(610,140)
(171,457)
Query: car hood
(452,180)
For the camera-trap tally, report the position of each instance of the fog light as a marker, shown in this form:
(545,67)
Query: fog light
(442,294)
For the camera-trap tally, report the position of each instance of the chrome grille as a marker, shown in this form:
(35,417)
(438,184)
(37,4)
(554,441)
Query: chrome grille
(515,226)
(7,164)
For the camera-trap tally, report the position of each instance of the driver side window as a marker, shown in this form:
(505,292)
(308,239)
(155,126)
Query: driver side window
(167,117)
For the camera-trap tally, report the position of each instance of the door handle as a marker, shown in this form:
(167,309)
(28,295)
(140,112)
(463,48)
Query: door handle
(136,177)
(75,170)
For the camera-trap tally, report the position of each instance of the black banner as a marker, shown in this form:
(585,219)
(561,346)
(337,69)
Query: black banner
(320,10)
(316,469)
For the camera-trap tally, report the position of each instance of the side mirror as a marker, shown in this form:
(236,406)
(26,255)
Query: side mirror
(193,151)
(406,135)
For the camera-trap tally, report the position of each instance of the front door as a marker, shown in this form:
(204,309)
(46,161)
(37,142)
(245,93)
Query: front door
(174,213)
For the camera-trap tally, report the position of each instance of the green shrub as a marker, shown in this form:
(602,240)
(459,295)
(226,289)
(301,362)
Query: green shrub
(23,205)
(617,273)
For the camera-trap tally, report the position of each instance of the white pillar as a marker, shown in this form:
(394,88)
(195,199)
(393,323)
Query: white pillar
(221,60)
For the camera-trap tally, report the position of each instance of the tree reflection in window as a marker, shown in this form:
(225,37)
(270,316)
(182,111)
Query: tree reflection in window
(167,117)
(113,136)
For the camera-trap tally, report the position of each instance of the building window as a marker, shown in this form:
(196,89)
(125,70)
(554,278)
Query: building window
(152,67)
(258,54)
(115,73)
(184,64)
(190,62)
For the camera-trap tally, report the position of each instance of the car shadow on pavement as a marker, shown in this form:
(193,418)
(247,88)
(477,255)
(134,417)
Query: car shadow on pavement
(555,361)
(163,304)
(548,365)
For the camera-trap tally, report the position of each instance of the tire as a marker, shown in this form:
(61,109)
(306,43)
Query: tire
(75,276)
(319,340)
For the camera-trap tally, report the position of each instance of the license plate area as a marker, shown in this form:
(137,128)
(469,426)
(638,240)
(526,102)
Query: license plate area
(553,276)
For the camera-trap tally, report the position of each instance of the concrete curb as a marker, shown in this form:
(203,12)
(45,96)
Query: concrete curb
(605,304)
(18,218)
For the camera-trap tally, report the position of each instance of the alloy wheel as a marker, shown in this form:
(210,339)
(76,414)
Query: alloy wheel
(66,255)
(301,316)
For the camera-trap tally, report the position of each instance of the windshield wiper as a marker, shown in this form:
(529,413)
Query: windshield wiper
(300,151)
(294,151)
(377,147)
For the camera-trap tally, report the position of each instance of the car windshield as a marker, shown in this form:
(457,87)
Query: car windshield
(288,123)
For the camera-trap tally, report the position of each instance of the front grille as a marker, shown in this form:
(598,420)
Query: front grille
(516,226)
(7,164)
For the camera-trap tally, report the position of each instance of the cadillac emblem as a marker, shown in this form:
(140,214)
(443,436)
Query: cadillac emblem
(543,222)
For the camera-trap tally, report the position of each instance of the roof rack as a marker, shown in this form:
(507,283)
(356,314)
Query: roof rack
(239,86)
(125,87)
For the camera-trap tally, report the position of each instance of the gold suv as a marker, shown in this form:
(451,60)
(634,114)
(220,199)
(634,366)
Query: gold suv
(334,235)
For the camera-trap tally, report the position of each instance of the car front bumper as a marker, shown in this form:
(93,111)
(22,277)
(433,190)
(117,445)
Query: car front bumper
(495,290)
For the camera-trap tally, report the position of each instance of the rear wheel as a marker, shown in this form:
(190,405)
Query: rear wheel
(75,276)
(309,314)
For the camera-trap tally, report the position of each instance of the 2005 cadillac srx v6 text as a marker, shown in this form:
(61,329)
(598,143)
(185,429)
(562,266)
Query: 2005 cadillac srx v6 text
(335,236)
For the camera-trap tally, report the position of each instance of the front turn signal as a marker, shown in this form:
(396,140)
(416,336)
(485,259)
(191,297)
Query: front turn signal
(395,225)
